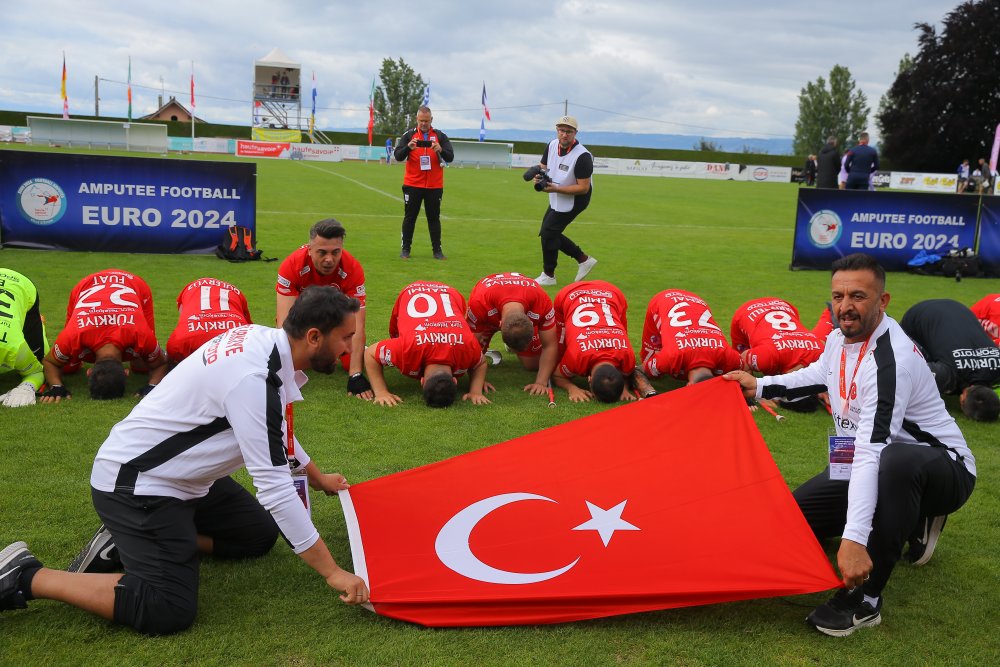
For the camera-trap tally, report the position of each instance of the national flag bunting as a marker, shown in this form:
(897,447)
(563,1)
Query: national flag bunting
(192,88)
(486,109)
(65,99)
(312,116)
(482,129)
(669,502)
(130,89)
(427,96)
(371,113)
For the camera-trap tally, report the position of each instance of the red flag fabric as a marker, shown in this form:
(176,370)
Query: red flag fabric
(669,502)
(371,121)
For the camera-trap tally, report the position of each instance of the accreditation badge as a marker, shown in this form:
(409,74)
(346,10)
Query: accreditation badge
(425,163)
(841,456)
(301,483)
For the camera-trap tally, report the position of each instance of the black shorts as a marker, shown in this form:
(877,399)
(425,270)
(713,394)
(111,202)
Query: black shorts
(156,538)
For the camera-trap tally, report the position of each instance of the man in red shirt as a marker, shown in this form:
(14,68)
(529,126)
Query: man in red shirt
(522,312)
(323,261)
(987,311)
(593,340)
(424,150)
(681,339)
(206,308)
(109,319)
(431,341)
(771,339)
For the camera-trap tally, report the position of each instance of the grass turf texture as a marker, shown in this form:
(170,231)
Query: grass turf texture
(726,241)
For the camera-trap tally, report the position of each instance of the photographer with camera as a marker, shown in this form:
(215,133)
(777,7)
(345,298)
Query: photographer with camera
(425,151)
(565,173)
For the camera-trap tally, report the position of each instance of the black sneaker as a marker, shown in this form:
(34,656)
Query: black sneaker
(14,559)
(439,255)
(923,541)
(844,613)
(100,555)
(404,253)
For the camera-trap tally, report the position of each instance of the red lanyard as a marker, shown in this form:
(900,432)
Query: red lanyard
(846,397)
(290,429)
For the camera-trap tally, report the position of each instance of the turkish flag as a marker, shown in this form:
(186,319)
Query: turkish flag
(672,501)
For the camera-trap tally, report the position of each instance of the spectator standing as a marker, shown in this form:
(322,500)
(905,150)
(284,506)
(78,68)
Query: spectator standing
(425,150)
(828,165)
(861,163)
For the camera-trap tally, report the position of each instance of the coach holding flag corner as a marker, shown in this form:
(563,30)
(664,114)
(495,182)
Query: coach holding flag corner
(160,481)
(911,466)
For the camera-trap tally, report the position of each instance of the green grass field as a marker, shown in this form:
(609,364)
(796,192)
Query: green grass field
(726,241)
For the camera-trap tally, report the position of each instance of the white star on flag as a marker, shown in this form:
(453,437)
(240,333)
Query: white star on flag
(606,522)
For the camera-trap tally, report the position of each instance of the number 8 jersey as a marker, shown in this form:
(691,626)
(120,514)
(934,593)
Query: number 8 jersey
(772,336)
(591,317)
(110,307)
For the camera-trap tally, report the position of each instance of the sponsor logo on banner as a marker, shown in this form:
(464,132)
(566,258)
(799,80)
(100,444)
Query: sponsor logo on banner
(825,229)
(262,149)
(760,174)
(41,201)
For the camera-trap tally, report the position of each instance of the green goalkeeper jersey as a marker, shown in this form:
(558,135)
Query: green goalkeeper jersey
(17,297)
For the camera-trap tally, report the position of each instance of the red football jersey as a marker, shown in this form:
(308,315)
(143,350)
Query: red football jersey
(824,325)
(774,335)
(109,307)
(680,334)
(493,292)
(207,307)
(297,272)
(987,310)
(427,327)
(591,316)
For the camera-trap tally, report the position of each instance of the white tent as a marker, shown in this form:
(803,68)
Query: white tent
(268,75)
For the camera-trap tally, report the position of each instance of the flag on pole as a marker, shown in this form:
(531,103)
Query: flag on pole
(192,100)
(632,509)
(312,116)
(65,99)
(486,109)
(482,129)
(130,89)
(427,96)
(371,112)
(995,151)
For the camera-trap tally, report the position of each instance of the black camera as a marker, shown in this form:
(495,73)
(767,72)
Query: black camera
(542,173)
(423,143)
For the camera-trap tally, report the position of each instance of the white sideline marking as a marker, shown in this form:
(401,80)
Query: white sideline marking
(356,182)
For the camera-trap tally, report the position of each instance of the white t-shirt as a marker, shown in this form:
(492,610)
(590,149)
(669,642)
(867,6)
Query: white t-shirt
(219,410)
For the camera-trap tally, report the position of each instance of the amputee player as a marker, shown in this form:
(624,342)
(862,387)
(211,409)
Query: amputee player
(522,312)
(324,261)
(206,308)
(109,319)
(961,355)
(681,339)
(161,485)
(771,339)
(23,344)
(429,340)
(593,342)
(987,310)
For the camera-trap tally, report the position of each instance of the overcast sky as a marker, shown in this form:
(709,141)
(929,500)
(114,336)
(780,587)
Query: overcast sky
(716,68)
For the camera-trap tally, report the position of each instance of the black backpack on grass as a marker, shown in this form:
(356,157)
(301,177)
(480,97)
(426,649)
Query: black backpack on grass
(238,245)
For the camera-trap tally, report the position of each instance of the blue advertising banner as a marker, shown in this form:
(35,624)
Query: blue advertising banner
(989,235)
(57,201)
(890,226)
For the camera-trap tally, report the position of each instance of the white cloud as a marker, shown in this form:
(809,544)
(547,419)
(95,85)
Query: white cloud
(636,65)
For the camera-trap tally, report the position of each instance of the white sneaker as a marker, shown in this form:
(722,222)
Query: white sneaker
(585,267)
(494,357)
(546,279)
